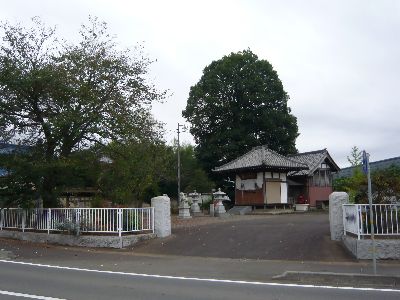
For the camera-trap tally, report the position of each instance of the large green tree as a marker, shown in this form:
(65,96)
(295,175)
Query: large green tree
(133,171)
(59,97)
(239,103)
(137,172)
(193,177)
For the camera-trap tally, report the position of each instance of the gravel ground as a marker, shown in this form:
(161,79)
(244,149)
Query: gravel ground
(299,237)
(206,220)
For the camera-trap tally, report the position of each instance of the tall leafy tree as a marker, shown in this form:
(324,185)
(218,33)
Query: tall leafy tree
(60,97)
(18,187)
(193,177)
(136,172)
(134,169)
(238,103)
(192,174)
(355,157)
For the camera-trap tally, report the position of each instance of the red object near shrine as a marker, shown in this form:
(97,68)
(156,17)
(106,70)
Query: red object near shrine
(301,200)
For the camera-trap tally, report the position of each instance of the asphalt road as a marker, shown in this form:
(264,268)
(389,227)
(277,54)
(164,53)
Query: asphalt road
(62,283)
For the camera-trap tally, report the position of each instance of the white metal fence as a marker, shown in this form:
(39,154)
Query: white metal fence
(90,220)
(385,219)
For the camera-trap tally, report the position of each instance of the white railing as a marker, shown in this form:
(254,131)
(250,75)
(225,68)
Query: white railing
(385,219)
(90,220)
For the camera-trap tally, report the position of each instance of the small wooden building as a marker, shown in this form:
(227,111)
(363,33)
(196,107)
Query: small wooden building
(261,176)
(312,185)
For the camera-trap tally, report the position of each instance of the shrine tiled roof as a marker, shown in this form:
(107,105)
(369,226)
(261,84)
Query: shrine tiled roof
(262,158)
(313,160)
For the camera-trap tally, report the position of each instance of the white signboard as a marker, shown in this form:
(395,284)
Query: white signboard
(350,218)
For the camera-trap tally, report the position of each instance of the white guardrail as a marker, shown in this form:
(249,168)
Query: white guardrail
(90,220)
(386,219)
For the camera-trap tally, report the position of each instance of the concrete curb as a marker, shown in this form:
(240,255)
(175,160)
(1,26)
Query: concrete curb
(345,279)
(273,213)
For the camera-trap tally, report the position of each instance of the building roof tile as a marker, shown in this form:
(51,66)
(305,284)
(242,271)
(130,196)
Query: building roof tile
(313,160)
(262,158)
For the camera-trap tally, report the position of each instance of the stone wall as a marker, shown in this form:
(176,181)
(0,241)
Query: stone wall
(92,241)
(362,249)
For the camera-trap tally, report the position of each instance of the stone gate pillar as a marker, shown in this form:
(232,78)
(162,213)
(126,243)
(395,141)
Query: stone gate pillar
(336,199)
(162,215)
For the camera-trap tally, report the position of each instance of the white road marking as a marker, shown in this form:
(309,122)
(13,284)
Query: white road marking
(28,296)
(202,279)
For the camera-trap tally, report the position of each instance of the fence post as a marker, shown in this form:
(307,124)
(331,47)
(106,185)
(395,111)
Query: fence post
(48,220)
(358,221)
(78,221)
(162,215)
(152,219)
(344,218)
(119,214)
(1,218)
(23,220)
(336,224)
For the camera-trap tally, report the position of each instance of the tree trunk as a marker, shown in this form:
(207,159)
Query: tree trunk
(48,192)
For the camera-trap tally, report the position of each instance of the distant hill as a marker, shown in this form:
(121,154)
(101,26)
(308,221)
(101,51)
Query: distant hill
(6,149)
(376,165)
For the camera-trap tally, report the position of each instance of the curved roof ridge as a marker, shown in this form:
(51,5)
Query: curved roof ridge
(285,157)
(309,152)
(238,158)
(314,159)
(262,157)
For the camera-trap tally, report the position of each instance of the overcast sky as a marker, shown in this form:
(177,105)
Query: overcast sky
(339,61)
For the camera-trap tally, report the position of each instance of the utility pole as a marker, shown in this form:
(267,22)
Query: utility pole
(179,162)
(367,170)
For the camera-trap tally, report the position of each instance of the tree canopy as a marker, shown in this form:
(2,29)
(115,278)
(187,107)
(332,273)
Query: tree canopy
(193,177)
(238,103)
(385,182)
(59,97)
(385,185)
(355,157)
(133,173)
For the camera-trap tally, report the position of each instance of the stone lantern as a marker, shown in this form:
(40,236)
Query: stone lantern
(184,208)
(219,196)
(195,208)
